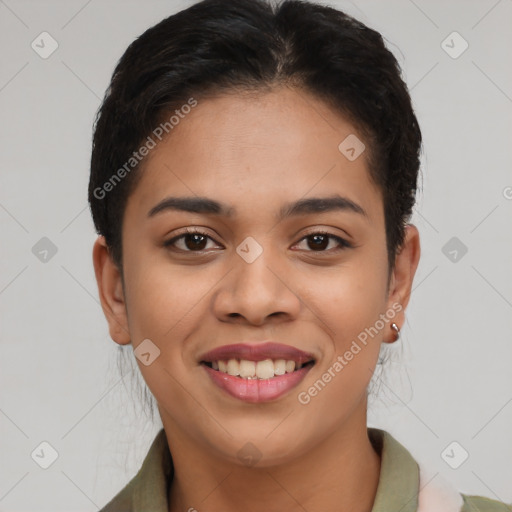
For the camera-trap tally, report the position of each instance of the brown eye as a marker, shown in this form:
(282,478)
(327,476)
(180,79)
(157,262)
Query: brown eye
(195,241)
(191,241)
(319,242)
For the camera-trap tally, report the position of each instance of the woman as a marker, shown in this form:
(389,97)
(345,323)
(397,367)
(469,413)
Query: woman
(253,173)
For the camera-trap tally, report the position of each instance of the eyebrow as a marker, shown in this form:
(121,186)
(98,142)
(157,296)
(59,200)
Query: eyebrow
(311,205)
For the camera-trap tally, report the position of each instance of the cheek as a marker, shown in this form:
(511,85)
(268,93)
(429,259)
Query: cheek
(350,302)
(349,306)
(163,305)
(350,297)
(158,294)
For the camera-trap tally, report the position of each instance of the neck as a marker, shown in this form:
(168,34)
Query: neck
(340,473)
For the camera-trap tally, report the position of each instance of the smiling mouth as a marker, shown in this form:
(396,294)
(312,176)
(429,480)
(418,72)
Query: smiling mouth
(257,370)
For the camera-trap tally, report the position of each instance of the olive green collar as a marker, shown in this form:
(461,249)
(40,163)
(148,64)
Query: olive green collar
(397,489)
(399,475)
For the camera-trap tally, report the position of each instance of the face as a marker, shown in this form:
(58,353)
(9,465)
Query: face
(264,260)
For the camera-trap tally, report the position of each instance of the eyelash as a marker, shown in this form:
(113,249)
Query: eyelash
(343,244)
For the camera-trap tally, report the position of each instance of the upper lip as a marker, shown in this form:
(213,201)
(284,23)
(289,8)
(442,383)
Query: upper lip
(257,352)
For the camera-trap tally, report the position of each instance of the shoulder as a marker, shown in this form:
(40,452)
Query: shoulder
(147,490)
(481,504)
(402,476)
(123,501)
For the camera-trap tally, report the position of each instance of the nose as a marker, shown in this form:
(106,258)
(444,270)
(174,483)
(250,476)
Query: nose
(254,292)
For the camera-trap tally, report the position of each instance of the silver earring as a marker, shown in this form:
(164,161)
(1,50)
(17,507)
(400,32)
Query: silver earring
(397,330)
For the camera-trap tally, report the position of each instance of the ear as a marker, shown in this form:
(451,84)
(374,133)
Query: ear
(110,288)
(400,286)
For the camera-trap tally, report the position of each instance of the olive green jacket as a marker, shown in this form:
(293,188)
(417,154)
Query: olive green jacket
(399,488)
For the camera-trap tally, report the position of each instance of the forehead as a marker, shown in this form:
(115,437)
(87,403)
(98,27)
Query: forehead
(259,149)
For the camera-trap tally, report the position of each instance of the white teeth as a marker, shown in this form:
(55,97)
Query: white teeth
(280,367)
(233,367)
(247,368)
(265,369)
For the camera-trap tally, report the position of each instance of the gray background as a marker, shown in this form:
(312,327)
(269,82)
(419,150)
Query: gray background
(450,378)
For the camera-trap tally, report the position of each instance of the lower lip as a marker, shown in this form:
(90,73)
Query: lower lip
(257,390)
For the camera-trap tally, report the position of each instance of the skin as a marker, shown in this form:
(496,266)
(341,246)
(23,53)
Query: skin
(255,156)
